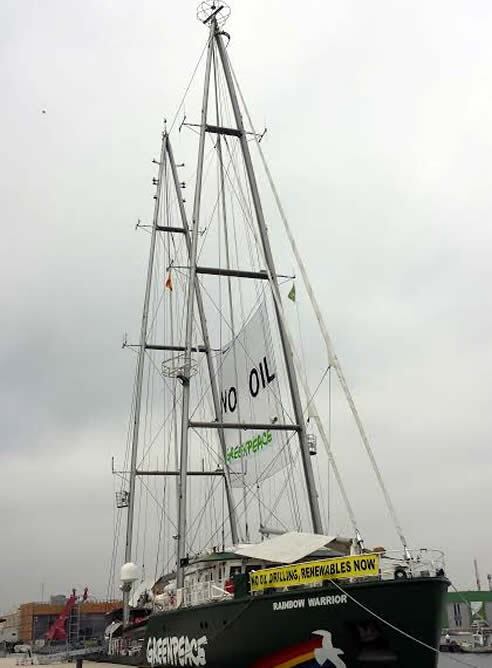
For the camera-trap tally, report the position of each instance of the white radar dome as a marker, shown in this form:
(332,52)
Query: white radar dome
(129,572)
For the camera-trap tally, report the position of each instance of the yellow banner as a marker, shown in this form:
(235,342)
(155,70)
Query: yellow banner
(315,571)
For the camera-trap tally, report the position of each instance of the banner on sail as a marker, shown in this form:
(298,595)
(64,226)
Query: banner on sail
(250,393)
(313,572)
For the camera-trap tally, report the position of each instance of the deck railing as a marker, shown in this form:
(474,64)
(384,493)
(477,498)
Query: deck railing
(421,562)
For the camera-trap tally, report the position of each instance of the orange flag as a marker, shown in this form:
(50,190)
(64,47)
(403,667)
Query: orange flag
(169,284)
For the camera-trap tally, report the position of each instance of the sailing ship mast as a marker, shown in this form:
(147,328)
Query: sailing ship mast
(138,392)
(184,375)
(216,40)
(216,52)
(286,344)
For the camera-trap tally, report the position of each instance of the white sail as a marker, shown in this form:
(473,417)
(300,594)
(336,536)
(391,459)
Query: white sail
(250,393)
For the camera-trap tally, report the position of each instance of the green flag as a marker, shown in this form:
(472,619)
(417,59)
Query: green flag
(292,293)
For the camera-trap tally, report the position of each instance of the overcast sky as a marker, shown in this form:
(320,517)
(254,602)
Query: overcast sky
(379,135)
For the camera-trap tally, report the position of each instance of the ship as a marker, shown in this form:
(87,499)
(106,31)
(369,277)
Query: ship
(246,573)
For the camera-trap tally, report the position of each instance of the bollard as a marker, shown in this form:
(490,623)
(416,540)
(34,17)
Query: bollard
(78,662)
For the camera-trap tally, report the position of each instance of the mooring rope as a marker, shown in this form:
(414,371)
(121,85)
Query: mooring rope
(397,629)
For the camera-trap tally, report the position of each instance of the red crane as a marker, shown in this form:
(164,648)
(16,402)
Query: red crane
(57,629)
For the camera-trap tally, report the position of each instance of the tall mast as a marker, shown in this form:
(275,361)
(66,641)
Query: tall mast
(267,252)
(206,342)
(171,321)
(139,379)
(222,193)
(185,409)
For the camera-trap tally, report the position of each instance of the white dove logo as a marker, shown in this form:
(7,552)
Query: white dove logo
(327,652)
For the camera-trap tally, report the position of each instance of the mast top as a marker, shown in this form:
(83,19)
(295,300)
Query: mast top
(210,9)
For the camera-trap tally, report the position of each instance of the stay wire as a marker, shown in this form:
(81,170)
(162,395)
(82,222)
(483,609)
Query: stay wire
(330,437)
(333,359)
(111,586)
(253,495)
(187,90)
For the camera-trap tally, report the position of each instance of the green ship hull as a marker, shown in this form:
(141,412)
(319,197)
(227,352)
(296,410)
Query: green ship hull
(374,623)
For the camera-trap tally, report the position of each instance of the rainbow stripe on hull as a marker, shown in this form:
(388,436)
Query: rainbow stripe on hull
(301,655)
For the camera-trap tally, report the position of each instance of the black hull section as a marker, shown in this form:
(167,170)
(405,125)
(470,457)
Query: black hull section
(314,627)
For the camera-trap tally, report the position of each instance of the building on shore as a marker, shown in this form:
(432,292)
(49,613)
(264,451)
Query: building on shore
(29,624)
(465,608)
(9,629)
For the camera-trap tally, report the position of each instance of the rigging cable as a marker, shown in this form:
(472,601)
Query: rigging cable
(333,359)
(303,366)
(253,494)
(223,209)
(112,566)
(270,390)
(160,539)
(310,401)
(111,586)
(147,426)
(311,405)
(160,307)
(241,301)
(174,424)
(303,373)
(242,193)
(330,438)
(189,85)
(212,515)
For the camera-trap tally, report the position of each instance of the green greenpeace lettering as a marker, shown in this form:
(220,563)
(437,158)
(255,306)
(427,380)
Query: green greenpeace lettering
(252,446)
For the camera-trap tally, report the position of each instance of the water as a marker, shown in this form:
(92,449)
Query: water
(446,661)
